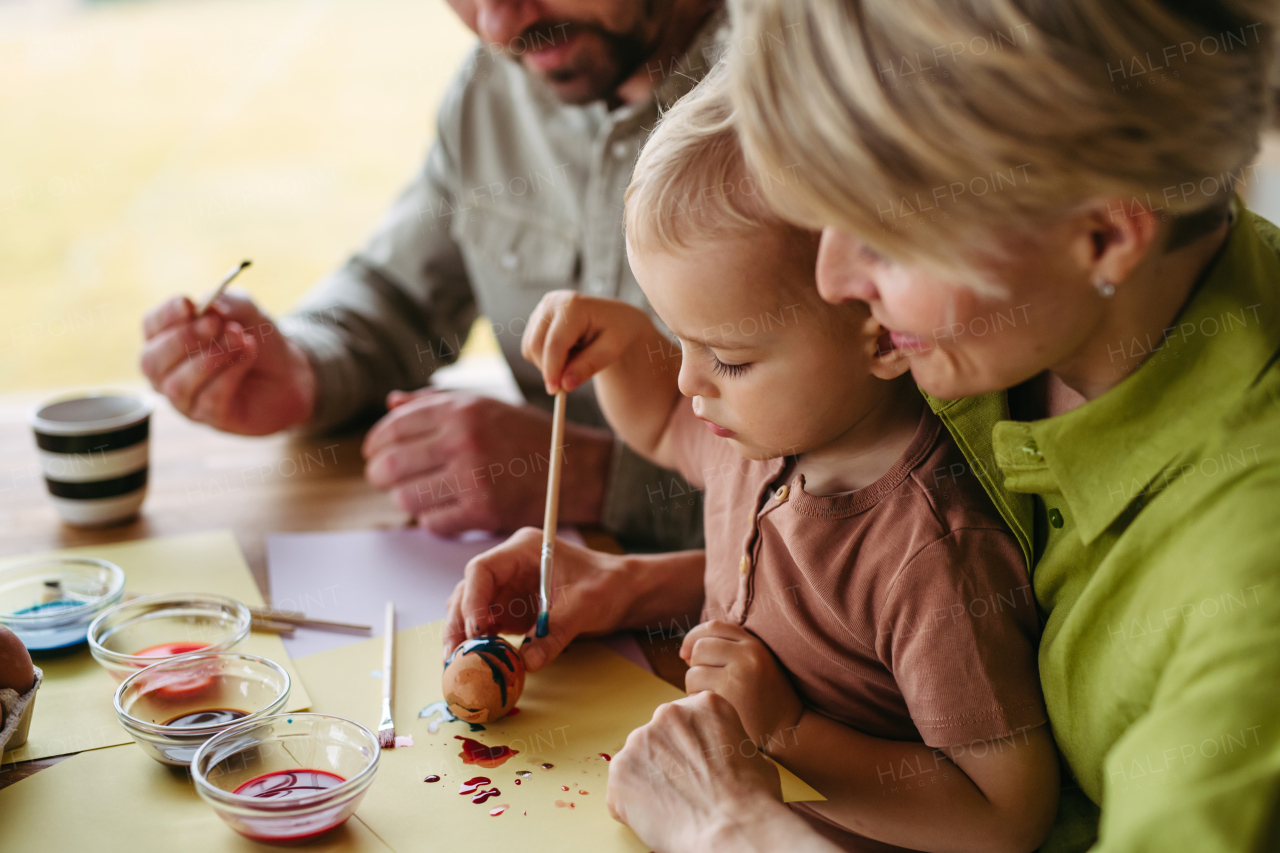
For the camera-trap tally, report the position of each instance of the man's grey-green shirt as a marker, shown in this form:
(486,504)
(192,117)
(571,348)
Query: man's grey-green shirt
(521,194)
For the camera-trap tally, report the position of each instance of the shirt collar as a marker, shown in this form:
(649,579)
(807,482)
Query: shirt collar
(1111,450)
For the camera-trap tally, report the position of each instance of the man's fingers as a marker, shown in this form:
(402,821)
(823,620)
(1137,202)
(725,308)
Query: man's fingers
(411,419)
(187,378)
(171,312)
(405,462)
(451,519)
(213,402)
(170,347)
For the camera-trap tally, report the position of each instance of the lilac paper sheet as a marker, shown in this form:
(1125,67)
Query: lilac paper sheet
(348,576)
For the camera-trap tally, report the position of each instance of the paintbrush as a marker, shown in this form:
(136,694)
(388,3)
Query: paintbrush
(302,620)
(550,518)
(222,286)
(387,728)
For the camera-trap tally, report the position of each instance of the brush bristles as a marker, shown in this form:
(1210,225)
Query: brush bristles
(387,738)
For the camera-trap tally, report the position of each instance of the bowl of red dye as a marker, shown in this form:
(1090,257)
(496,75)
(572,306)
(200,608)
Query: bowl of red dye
(287,777)
(171,708)
(50,602)
(142,632)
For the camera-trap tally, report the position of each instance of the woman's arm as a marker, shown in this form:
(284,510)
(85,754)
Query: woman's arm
(988,796)
(572,337)
(984,797)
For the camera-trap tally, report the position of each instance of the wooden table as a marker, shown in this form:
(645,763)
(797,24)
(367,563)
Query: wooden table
(202,479)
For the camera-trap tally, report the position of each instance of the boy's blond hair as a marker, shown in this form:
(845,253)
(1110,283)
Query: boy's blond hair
(943,130)
(691,182)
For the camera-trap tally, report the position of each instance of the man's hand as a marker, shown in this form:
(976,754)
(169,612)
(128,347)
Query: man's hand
(460,461)
(499,594)
(732,662)
(231,368)
(692,780)
(571,337)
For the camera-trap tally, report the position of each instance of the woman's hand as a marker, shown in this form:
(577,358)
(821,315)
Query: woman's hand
(731,661)
(691,778)
(499,594)
(571,337)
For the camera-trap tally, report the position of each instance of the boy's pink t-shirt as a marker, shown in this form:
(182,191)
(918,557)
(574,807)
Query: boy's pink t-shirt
(902,610)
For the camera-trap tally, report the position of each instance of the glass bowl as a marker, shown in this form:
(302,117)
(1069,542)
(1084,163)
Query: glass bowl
(172,707)
(138,633)
(49,602)
(287,777)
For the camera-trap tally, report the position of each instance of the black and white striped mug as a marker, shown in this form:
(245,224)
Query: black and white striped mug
(93,452)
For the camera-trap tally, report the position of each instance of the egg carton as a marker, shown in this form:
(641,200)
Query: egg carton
(17,714)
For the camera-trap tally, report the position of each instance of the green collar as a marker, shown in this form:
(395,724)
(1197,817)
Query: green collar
(1113,449)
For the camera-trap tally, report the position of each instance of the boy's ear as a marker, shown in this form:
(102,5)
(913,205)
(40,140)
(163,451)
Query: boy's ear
(885,362)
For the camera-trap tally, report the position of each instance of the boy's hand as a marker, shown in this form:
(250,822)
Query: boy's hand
(571,337)
(731,661)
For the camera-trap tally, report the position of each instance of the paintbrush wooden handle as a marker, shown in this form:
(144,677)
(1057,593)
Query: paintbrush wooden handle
(267,626)
(552,514)
(222,286)
(388,651)
(302,620)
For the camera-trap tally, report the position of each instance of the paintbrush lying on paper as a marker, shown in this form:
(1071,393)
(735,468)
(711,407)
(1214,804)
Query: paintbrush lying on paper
(387,728)
(222,286)
(302,620)
(550,518)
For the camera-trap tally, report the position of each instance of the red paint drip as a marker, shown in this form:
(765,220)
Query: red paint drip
(472,785)
(482,796)
(583,793)
(517,781)
(474,752)
(561,804)
(606,756)
(564,787)
(432,778)
(497,810)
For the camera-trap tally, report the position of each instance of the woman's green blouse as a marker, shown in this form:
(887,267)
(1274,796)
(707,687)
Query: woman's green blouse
(1151,517)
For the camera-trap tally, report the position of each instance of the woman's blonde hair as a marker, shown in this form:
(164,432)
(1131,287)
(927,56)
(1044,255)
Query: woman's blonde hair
(691,182)
(941,130)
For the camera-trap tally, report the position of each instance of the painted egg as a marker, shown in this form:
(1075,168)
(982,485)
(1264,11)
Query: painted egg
(483,679)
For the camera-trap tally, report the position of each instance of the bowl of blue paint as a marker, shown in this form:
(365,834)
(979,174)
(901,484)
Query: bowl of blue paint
(50,601)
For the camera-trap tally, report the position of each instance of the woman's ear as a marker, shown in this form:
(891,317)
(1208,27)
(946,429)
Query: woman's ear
(886,362)
(1113,237)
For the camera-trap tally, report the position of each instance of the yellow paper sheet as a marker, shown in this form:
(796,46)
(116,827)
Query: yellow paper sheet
(118,800)
(585,703)
(73,709)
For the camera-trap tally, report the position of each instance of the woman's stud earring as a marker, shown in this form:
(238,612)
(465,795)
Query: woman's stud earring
(1105,288)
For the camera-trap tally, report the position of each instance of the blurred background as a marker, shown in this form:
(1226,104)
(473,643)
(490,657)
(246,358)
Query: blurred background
(148,145)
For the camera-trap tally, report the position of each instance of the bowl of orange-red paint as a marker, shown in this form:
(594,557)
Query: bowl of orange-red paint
(287,777)
(145,631)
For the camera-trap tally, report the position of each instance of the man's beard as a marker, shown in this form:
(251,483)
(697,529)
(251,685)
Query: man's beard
(592,77)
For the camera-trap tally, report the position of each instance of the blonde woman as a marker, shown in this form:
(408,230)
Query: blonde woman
(1040,202)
